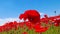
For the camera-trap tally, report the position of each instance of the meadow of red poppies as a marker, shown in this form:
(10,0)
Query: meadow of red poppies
(33,24)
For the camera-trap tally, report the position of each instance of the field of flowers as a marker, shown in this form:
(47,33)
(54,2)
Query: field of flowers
(33,24)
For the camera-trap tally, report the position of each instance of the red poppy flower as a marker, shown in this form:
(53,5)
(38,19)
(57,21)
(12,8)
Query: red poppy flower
(32,15)
(24,33)
(45,16)
(21,24)
(29,25)
(39,28)
(45,20)
(0,28)
(23,16)
(43,29)
(57,22)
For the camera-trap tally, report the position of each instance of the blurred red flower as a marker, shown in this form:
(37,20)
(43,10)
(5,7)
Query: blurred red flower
(57,22)
(32,15)
(39,28)
(24,33)
(29,25)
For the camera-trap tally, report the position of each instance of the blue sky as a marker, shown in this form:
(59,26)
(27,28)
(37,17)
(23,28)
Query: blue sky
(13,8)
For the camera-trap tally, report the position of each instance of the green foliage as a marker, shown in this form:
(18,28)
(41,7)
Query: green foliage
(51,30)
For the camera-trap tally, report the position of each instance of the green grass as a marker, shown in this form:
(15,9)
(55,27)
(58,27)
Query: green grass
(51,30)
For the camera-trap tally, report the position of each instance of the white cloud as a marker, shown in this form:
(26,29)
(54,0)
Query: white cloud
(3,21)
(42,14)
